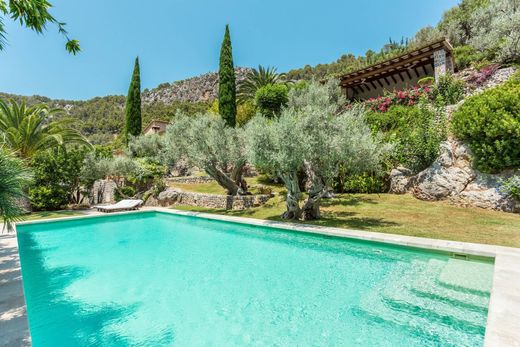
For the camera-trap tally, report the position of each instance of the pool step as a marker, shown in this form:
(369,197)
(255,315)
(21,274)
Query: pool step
(435,303)
(427,285)
(374,309)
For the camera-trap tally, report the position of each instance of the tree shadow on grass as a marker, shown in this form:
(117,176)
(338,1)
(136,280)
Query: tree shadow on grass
(348,200)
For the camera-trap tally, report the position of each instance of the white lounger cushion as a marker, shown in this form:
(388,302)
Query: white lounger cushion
(121,205)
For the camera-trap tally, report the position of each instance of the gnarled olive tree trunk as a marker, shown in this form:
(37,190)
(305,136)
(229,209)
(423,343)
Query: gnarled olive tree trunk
(225,181)
(237,175)
(311,206)
(293,196)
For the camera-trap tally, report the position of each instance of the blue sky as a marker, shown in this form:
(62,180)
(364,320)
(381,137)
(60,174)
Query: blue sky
(176,39)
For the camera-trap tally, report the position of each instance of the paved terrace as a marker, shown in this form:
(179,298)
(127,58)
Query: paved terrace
(503,323)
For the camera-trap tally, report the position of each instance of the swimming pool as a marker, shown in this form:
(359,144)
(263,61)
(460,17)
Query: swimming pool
(154,278)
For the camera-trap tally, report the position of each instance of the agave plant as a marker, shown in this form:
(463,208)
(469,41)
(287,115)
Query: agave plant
(13,178)
(256,79)
(27,130)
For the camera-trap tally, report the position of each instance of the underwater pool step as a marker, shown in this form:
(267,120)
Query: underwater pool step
(427,285)
(466,275)
(373,308)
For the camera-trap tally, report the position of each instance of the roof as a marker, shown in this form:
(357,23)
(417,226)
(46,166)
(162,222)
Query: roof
(418,57)
(153,122)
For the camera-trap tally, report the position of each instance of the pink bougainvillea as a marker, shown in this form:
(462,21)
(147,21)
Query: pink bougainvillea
(408,97)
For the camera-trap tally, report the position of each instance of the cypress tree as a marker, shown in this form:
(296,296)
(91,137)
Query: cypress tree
(227,88)
(133,104)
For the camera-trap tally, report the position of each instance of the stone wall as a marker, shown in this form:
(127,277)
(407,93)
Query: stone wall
(190,179)
(172,196)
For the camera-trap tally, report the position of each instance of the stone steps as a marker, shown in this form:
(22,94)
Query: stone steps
(438,303)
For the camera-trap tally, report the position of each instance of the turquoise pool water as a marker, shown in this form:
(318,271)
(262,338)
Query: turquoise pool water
(157,279)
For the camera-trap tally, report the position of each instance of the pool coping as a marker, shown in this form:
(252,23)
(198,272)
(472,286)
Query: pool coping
(503,322)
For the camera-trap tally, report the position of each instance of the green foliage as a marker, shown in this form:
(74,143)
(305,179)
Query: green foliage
(415,132)
(495,30)
(245,112)
(133,120)
(56,178)
(457,23)
(466,55)
(34,15)
(145,146)
(313,135)
(426,81)
(14,177)
(256,79)
(271,98)
(124,192)
(27,130)
(448,90)
(511,187)
(490,123)
(365,183)
(227,86)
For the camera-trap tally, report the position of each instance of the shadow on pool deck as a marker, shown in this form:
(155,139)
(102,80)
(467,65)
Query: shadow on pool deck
(13,315)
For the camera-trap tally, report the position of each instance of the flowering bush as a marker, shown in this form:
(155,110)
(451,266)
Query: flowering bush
(406,97)
(482,75)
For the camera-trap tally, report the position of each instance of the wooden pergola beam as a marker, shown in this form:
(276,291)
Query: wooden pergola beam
(399,62)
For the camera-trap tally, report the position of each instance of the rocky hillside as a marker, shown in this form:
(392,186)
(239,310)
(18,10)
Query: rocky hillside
(203,88)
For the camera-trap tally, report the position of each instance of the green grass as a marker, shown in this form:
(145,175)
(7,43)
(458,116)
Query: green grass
(400,214)
(47,215)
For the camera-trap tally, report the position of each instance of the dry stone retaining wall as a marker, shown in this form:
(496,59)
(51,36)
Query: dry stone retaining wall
(178,197)
(190,179)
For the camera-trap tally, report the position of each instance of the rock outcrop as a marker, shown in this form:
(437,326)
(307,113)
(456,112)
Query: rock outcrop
(195,89)
(451,177)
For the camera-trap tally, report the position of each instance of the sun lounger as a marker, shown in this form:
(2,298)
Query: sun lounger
(123,205)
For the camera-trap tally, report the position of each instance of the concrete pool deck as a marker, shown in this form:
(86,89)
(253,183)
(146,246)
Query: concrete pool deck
(503,322)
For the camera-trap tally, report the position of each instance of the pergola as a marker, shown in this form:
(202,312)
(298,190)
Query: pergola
(399,72)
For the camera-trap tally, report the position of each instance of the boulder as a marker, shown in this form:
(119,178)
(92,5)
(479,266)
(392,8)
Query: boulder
(401,180)
(448,175)
(485,192)
(168,197)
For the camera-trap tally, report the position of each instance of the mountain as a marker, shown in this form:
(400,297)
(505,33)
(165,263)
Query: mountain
(102,118)
(203,88)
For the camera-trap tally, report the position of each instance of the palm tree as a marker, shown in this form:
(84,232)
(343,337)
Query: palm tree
(27,130)
(256,79)
(13,178)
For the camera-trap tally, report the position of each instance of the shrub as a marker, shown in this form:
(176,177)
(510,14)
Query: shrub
(124,192)
(271,98)
(466,56)
(448,90)
(483,74)
(495,30)
(512,187)
(245,111)
(490,123)
(48,197)
(426,81)
(407,97)
(365,183)
(416,133)
(56,178)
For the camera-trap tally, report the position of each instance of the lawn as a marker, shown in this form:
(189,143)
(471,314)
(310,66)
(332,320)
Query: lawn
(394,214)
(45,215)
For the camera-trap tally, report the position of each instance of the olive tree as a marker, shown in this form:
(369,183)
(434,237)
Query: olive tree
(495,29)
(276,146)
(313,134)
(208,143)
